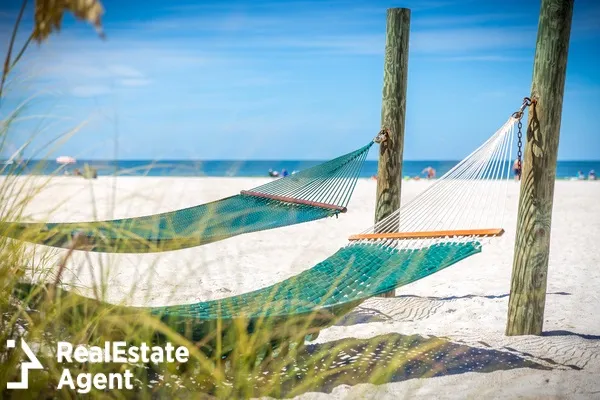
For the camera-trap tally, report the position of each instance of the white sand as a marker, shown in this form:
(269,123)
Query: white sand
(466,303)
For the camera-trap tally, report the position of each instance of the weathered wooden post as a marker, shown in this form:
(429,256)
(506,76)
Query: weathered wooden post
(532,247)
(393,111)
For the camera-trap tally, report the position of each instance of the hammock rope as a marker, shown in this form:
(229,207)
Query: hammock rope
(458,203)
(321,191)
(471,195)
(381,259)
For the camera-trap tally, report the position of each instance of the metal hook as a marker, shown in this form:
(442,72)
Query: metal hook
(526,103)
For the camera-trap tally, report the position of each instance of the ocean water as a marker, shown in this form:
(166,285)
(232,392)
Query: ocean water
(564,170)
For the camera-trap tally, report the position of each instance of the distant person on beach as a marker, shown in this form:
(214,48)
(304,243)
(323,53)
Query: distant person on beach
(580,176)
(517,170)
(430,172)
(592,175)
(273,174)
(284,173)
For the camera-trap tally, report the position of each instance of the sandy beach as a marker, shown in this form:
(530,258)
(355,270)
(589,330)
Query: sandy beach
(464,305)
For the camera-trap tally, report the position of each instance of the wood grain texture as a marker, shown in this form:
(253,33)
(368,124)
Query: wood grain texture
(393,112)
(429,234)
(532,246)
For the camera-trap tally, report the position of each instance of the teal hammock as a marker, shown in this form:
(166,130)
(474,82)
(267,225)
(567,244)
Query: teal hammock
(322,294)
(315,193)
(374,262)
(353,274)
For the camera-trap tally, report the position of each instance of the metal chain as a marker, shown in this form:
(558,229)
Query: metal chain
(519,146)
(519,115)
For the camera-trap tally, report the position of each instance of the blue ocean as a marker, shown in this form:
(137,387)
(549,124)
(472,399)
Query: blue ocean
(254,168)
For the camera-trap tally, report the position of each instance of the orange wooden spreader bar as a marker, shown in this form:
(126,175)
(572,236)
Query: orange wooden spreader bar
(428,234)
(294,201)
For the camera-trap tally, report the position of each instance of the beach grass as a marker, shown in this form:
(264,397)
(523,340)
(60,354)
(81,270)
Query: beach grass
(43,314)
(230,360)
(237,358)
(43,301)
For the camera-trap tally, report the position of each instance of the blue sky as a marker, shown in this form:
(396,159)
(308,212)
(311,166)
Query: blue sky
(272,79)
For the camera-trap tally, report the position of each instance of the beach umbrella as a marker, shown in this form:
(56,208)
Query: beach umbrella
(66,160)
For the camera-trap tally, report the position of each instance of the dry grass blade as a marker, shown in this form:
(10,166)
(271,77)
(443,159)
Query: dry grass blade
(49,15)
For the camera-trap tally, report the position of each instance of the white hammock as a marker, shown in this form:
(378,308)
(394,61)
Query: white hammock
(466,202)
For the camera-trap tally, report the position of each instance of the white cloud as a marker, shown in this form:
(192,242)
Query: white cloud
(484,58)
(84,73)
(90,90)
(464,41)
(125,71)
(357,44)
(227,41)
(201,37)
(447,21)
(133,82)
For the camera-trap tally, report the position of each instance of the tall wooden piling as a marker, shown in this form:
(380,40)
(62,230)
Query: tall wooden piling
(393,112)
(532,247)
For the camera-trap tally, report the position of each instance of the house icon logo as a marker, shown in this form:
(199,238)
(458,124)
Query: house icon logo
(33,363)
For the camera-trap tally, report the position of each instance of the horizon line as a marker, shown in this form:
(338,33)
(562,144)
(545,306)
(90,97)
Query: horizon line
(263,160)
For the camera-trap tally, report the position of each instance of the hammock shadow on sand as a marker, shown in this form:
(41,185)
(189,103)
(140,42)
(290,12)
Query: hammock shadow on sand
(409,308)
(389,358)
(569,333)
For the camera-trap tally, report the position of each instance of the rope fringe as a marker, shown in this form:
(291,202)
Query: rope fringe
(471,195)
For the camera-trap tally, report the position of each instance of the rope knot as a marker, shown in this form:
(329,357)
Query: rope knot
(382,135)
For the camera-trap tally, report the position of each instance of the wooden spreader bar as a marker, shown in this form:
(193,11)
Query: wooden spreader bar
(428,234)
(294,201)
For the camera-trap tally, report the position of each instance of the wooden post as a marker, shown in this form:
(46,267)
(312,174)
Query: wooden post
(532,246)
(393,110)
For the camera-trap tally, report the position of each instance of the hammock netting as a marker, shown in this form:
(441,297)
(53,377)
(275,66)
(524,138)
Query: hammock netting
(315,193)
(470,195)
(354,273)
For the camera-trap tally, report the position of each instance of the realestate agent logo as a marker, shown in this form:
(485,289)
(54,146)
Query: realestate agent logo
(33,363)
